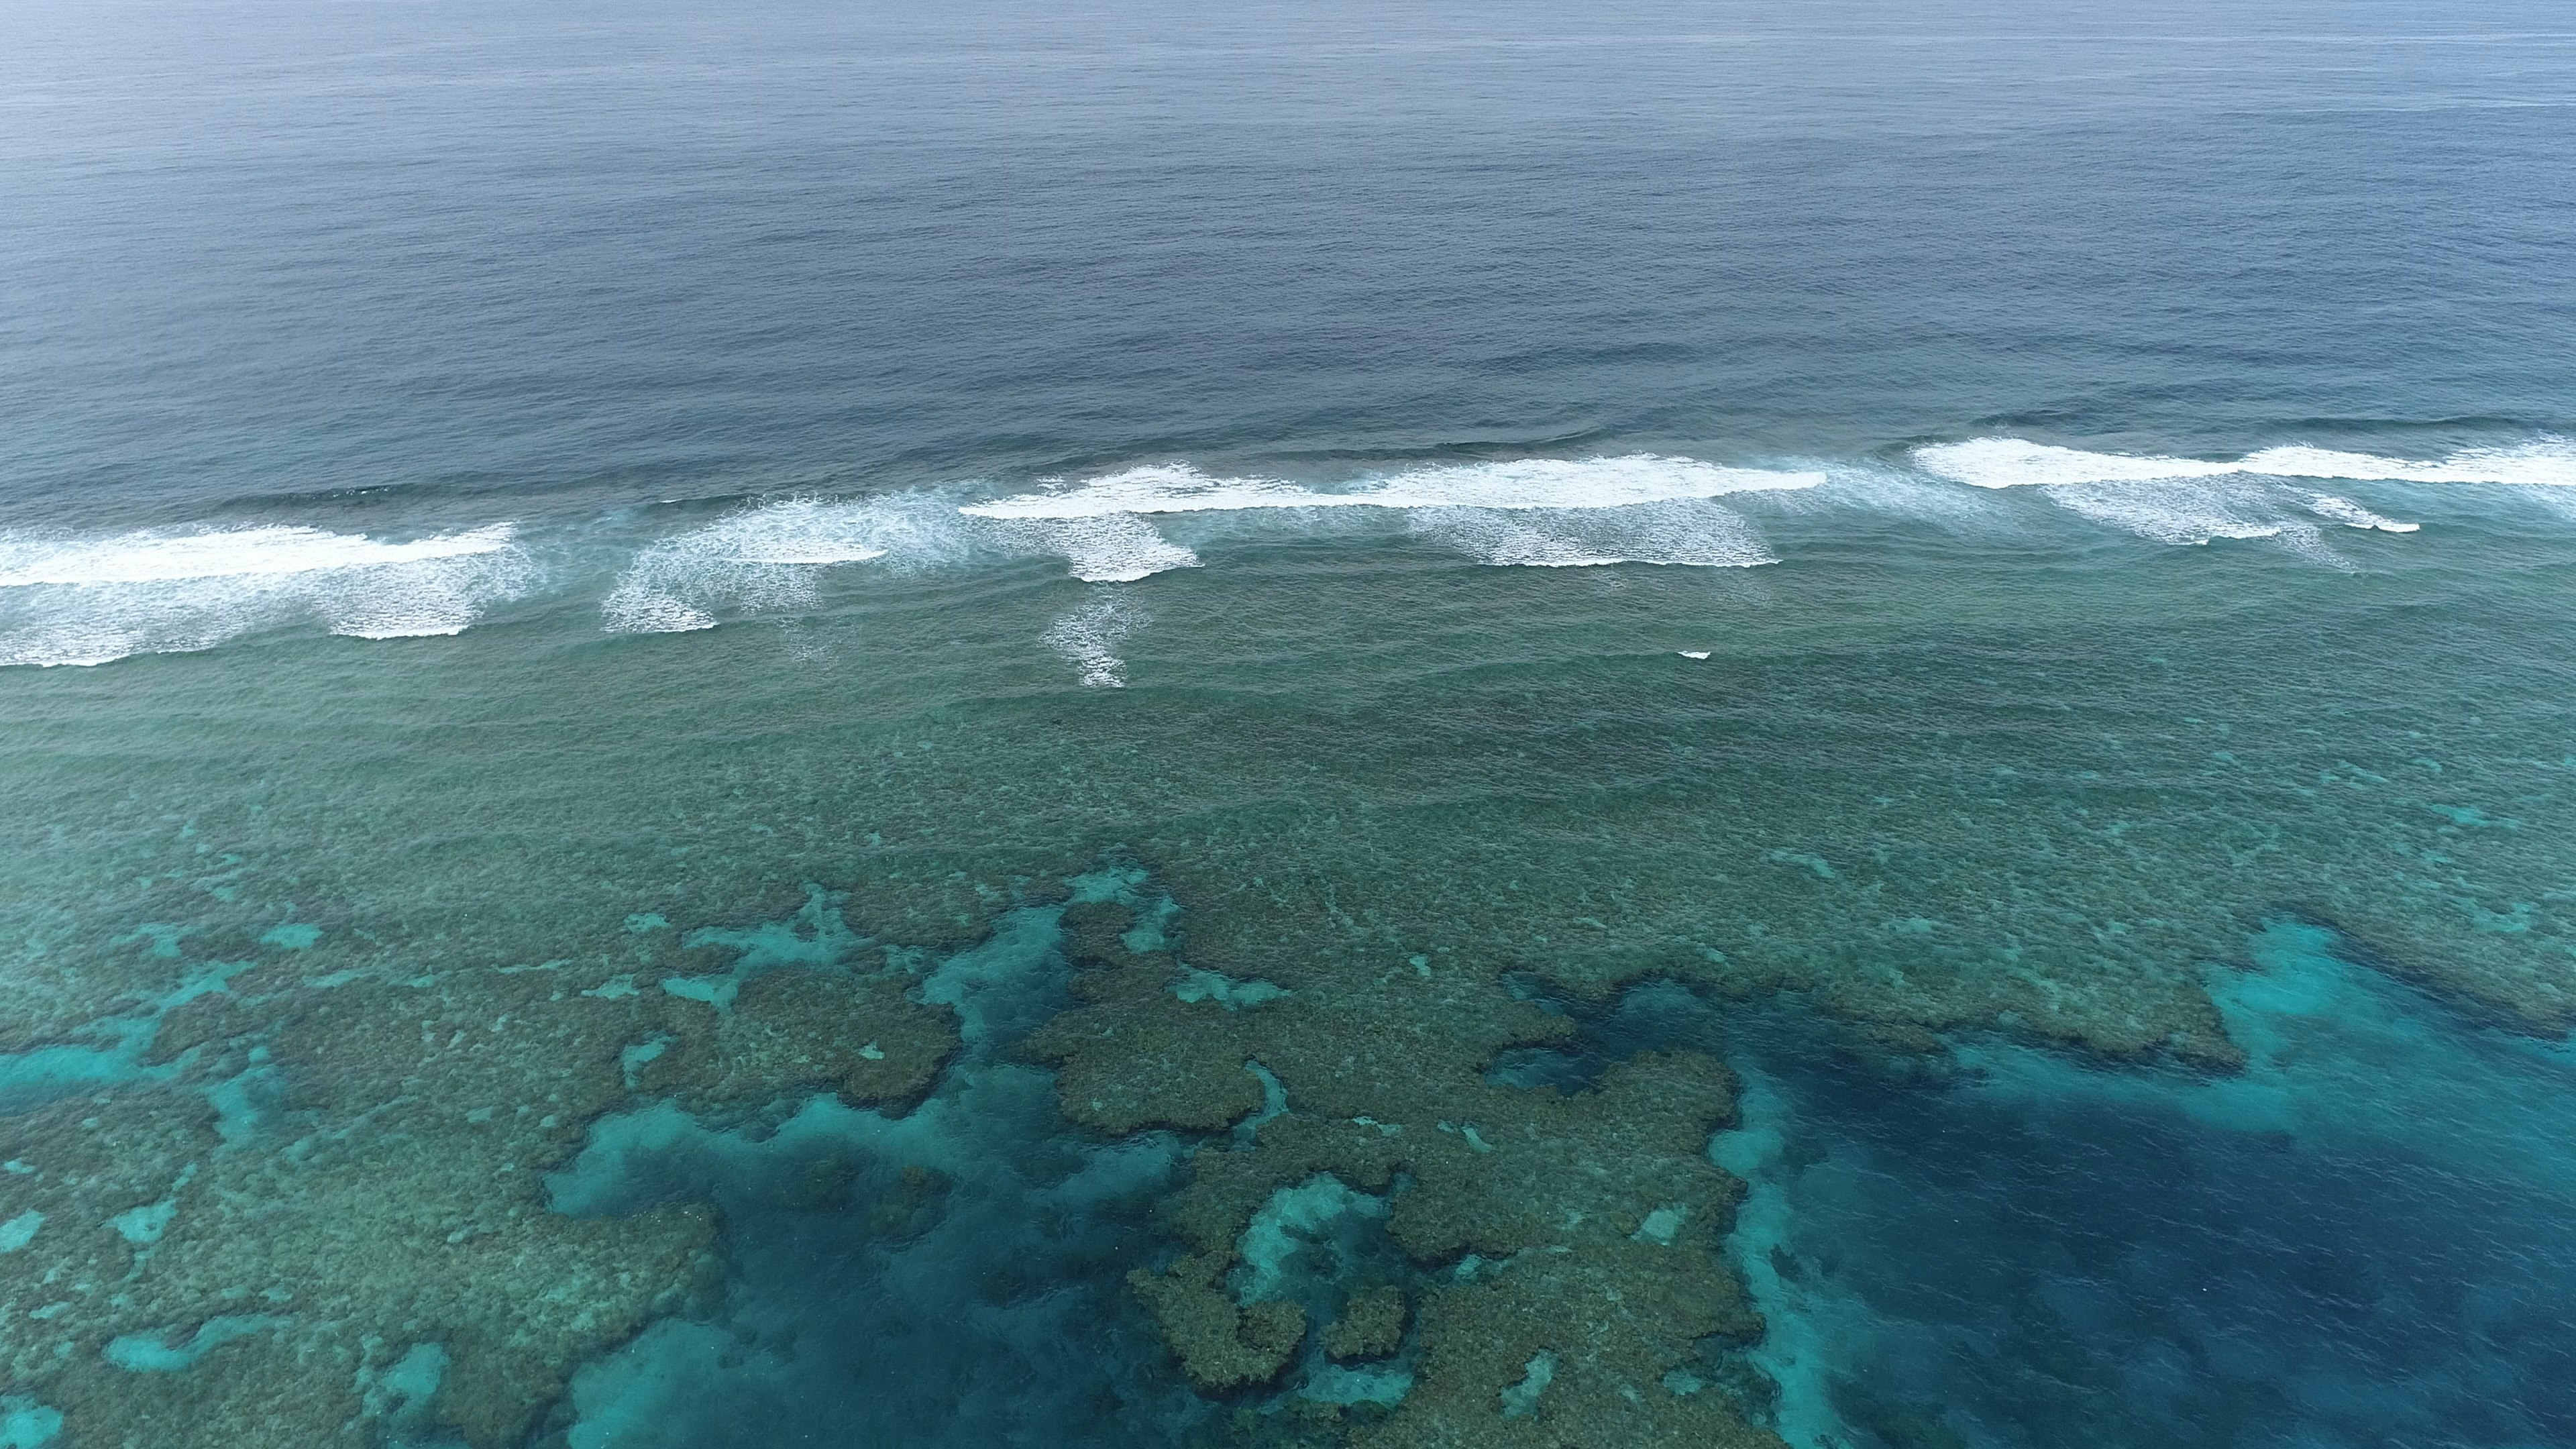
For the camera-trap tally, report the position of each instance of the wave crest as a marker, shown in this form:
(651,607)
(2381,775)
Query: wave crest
(1550,483)
(768,557)
(1537,512)
(2020,463)
(81,601)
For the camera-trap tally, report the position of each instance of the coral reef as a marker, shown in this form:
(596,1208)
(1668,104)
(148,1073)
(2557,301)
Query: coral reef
(1577,1232)
(1222,1344)
(311,1210)
(793,1032)
(371,1005)
(1371,1325)
(284,1277)
(1132,1054)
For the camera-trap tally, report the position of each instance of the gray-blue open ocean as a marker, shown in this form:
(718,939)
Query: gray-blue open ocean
(1646,724)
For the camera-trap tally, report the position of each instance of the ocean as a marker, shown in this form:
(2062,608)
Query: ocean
(1842,726)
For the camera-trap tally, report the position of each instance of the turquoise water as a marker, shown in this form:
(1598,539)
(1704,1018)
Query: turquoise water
(1377,728)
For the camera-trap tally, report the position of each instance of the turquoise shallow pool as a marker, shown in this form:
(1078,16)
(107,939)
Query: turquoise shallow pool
(1377,729)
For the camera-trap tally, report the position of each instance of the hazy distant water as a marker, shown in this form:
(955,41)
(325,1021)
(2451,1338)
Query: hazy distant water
(521,470)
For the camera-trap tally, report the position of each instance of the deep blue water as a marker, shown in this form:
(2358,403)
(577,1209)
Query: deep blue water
(621,252)
(2355,1242)
(704,323)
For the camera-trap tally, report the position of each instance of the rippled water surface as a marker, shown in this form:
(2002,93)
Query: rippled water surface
(1368,726)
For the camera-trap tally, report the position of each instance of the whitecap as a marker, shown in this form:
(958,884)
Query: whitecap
(161,556)
(768,557)
(78,601)
(2020,463)
(1534,512)
(1525,483)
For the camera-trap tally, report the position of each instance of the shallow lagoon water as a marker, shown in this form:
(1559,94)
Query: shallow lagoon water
(1315,728)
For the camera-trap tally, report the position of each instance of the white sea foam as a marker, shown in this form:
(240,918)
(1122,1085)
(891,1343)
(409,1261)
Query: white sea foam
(769,557)
(70,600)
(157,556)
(1550,483)
(2353,515)
(1541,512)
(2019,463)
(1696,534)
(1498,537)
(1109,549)
(1089,636)
(2186,513)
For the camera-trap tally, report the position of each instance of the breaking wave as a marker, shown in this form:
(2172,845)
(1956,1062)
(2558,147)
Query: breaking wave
(1107,549)
(1537,512)
(79,601)
(1525,483)
(2187,514)
(765,558)
(67,599)
(2018,463)
(2197,500)
(2353,515)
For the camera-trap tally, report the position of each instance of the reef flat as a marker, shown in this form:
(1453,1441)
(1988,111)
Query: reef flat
(371,1102)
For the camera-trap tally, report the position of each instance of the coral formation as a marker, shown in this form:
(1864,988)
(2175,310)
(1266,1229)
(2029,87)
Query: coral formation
(1221,1343)
(311,1210)
(284,1276)
(1579,1231)
(793,1032)
(1134,1055)
(363,1025)
(1371,1325)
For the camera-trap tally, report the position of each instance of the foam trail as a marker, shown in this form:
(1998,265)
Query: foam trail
(1112,549)
(2353,515)
(1548,483)
(1701,535)
(2019,463)
(2173,514)
(83,601)
(1496,537)
(768,557)
(1089,636)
